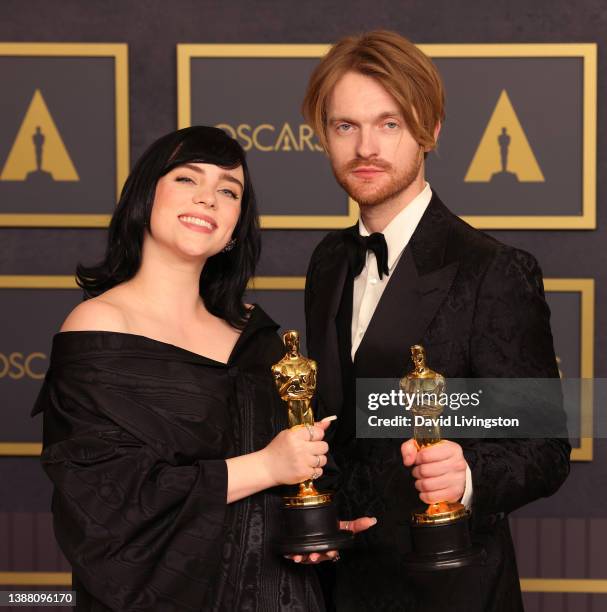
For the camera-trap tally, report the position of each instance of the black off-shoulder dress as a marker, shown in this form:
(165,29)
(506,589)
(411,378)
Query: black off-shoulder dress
(136,433)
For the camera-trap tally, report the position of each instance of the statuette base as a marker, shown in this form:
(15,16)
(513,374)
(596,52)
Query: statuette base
(441,545)
(311,528)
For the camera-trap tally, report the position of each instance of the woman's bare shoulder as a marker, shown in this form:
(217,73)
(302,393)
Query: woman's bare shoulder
(97,314)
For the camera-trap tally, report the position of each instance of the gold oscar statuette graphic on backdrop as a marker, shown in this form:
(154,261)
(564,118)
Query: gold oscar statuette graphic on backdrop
(38,154)
(440,533)
(504,155)
(310,522)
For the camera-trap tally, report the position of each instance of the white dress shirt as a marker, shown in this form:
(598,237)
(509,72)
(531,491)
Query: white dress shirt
(368,287)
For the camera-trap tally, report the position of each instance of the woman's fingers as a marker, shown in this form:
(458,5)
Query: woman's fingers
(357,525)
(318,448)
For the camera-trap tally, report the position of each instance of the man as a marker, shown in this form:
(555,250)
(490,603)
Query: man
(476,305)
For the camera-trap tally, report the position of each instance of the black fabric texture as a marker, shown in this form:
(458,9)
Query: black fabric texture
(136,433)
(478,308)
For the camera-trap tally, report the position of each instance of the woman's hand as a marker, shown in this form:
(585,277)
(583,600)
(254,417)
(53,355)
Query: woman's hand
(355,526)
(297,454)
(293,456)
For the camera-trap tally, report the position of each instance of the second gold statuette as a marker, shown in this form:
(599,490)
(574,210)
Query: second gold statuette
(440,534)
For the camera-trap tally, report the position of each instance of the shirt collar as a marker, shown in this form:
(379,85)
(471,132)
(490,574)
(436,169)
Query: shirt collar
(399,231)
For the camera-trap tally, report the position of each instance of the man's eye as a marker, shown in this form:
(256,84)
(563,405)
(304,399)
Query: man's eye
(344,127)
(391,125)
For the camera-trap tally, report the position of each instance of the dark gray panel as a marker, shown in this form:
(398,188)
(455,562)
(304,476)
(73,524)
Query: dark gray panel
(526,540)
(531,601)
(80,96)
(285,307)
(565,321)
(551,548)
(24,487)
(30,319)
(257,101)
(576,545)
(546,94)
(597,548)
(577,602)
(552,602)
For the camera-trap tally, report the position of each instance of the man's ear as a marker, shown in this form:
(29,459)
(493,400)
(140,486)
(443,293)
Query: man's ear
(437,128)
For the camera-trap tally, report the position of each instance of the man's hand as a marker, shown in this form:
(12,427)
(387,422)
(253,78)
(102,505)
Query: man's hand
(439,472)
(356,526)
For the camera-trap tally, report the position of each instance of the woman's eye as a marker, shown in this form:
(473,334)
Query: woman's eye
(184,179)
(230,193)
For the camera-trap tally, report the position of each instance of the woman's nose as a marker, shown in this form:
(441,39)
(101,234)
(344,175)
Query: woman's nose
(206,198)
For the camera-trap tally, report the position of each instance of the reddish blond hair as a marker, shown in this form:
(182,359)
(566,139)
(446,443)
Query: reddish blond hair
(397,64)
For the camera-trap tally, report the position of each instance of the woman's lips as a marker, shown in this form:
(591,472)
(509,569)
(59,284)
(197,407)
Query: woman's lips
(198,223)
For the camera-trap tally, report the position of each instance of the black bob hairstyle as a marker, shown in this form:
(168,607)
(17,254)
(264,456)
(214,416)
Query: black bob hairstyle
(225,275)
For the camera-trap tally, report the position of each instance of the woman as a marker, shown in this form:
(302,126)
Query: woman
(163,433)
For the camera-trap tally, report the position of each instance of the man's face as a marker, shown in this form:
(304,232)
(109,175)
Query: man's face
(374,156)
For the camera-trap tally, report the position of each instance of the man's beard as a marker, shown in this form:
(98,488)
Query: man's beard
(366,194)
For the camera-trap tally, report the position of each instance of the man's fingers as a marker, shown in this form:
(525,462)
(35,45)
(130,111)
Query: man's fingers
(442,451)
(428,485)
(430,470)
(360,524)
(449,495)
(438,468)
(409,452)
(313,558)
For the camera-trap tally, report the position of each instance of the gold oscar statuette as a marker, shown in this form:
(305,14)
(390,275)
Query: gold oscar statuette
(440,533)
(310,522)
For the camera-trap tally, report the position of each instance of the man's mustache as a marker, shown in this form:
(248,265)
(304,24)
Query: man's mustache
(354,164)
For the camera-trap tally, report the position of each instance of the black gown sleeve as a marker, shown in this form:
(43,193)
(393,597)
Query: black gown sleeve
(140,523)
(512,339)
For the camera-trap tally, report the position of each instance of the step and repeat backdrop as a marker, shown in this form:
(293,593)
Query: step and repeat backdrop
(518,152)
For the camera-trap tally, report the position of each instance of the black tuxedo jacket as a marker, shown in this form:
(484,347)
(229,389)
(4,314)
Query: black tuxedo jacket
(478,307)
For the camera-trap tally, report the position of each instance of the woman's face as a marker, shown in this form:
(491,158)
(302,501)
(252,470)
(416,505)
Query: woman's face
(196,207)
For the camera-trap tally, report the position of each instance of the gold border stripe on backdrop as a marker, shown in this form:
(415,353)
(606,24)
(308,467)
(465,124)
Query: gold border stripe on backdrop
(36,578)
(528,585)
(119,51)
(585,51)
(564,585)
(583,286)
(30,281)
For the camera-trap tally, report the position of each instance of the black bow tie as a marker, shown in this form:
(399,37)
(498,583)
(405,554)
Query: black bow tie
(357,247)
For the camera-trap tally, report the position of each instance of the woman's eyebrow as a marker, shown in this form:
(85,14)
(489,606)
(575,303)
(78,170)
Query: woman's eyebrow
(232,179)
(225,176)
